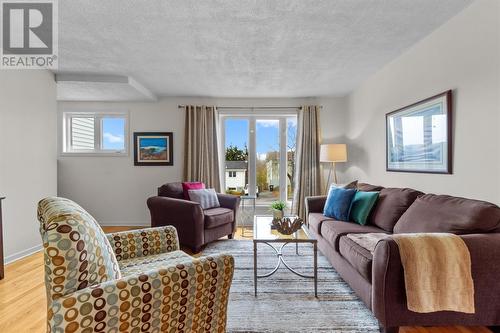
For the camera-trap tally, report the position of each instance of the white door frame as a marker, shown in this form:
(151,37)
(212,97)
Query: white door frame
(252,115)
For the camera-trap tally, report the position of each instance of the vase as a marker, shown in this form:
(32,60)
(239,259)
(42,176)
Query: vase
(277,214)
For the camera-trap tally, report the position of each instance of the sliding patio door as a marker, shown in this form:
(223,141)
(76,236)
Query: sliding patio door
(259,155)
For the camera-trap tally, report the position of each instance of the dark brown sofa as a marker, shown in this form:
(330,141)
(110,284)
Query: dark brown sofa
(378,279)
(196,227)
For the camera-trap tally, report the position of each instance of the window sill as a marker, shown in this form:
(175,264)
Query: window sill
(68,154)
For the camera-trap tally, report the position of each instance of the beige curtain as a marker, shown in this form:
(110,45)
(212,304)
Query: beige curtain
(307,174)
(201,158)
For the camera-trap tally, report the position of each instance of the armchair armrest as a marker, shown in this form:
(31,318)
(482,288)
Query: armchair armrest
(143,242)
(186,216)
(315,204)
(389,293)
(186,296)
(229,201)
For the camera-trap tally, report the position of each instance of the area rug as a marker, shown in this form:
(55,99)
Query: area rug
(285,302)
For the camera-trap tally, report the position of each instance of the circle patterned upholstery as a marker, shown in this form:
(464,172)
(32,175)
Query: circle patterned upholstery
(77,252)
(136,244)
(86,292)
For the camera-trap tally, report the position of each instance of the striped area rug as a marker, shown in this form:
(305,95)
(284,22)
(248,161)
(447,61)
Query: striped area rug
(285,302)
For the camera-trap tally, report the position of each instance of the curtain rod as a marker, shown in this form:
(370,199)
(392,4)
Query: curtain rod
(253,107)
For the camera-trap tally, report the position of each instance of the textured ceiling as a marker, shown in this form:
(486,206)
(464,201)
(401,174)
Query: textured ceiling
(248,48)
(98,87)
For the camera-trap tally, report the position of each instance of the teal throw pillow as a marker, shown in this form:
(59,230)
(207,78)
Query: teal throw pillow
(361,206)
(338,203)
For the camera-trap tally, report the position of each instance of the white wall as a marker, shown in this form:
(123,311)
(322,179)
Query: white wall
(334,121)
(462,55)
(114,190)
(28,169)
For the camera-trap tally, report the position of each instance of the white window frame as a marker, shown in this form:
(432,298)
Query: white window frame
(252,114)
(66,149)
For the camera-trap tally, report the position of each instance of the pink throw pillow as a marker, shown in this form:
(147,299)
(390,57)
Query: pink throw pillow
(186,186)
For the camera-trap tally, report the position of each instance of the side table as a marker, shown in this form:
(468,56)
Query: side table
(247,215)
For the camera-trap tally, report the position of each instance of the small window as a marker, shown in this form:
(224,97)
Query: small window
(95,133)
(232,174)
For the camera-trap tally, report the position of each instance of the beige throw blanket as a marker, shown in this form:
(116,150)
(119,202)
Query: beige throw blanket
(437,271)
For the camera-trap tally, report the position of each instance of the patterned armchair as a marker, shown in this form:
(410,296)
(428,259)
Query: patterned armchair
(136,281)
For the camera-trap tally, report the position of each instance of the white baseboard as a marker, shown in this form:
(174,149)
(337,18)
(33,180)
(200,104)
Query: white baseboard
(125,223)
(22,254)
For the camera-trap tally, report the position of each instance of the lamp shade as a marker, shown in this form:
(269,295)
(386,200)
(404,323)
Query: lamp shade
(333,152)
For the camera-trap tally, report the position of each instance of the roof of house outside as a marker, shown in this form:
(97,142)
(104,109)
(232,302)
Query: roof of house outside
(236,165)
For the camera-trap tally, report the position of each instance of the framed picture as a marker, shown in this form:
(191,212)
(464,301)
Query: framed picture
(153,148)
(419,138)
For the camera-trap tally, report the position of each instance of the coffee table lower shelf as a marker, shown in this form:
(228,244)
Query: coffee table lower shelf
(279,254)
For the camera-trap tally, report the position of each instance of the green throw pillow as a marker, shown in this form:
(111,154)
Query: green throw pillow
(361,205)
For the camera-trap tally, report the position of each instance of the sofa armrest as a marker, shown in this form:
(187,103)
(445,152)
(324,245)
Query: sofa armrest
(315,204)
(156,295)
(389,293)
(143,242)
(186,216)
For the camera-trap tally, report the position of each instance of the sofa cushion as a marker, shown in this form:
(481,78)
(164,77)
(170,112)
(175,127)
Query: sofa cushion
(391,204)
(333,230)
(444,213)
(365,187)
(140,265)
(359,257)
(218,216)
(171,190)
(352,185)
(316,220)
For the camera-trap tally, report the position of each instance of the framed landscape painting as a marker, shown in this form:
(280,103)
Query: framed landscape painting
(419,138)
(153,148)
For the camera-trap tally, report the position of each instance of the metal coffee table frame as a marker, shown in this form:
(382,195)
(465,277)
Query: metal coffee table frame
(279,254)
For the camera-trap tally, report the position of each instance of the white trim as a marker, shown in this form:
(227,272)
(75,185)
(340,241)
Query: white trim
(21,254)
(65,129)
(252,157)
(283,158)
(125,224)
(252,114)
(267,112)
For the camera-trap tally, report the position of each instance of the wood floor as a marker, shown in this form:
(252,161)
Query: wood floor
(23,304)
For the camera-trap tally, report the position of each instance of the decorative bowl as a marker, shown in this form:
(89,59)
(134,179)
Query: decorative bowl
(286,226)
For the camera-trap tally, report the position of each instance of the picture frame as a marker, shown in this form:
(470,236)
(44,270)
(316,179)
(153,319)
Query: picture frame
(419,136)
(153,148)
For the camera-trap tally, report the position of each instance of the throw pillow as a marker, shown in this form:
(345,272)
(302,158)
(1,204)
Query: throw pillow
(207,198)
(186,186)
(338,203)
(361,206)
(351,185)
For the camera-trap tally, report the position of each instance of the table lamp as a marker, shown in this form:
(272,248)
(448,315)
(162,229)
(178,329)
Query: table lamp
(332,153)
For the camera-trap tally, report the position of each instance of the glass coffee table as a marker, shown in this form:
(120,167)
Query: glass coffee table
(263,233)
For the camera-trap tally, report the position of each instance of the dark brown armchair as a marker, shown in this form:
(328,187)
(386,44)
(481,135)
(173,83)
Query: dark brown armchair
(196,227)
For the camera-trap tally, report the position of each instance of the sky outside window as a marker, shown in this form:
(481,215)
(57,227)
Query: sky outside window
(237,133)
(237,129)
(113,133)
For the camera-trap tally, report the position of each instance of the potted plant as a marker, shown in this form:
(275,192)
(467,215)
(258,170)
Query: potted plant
(278,208)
